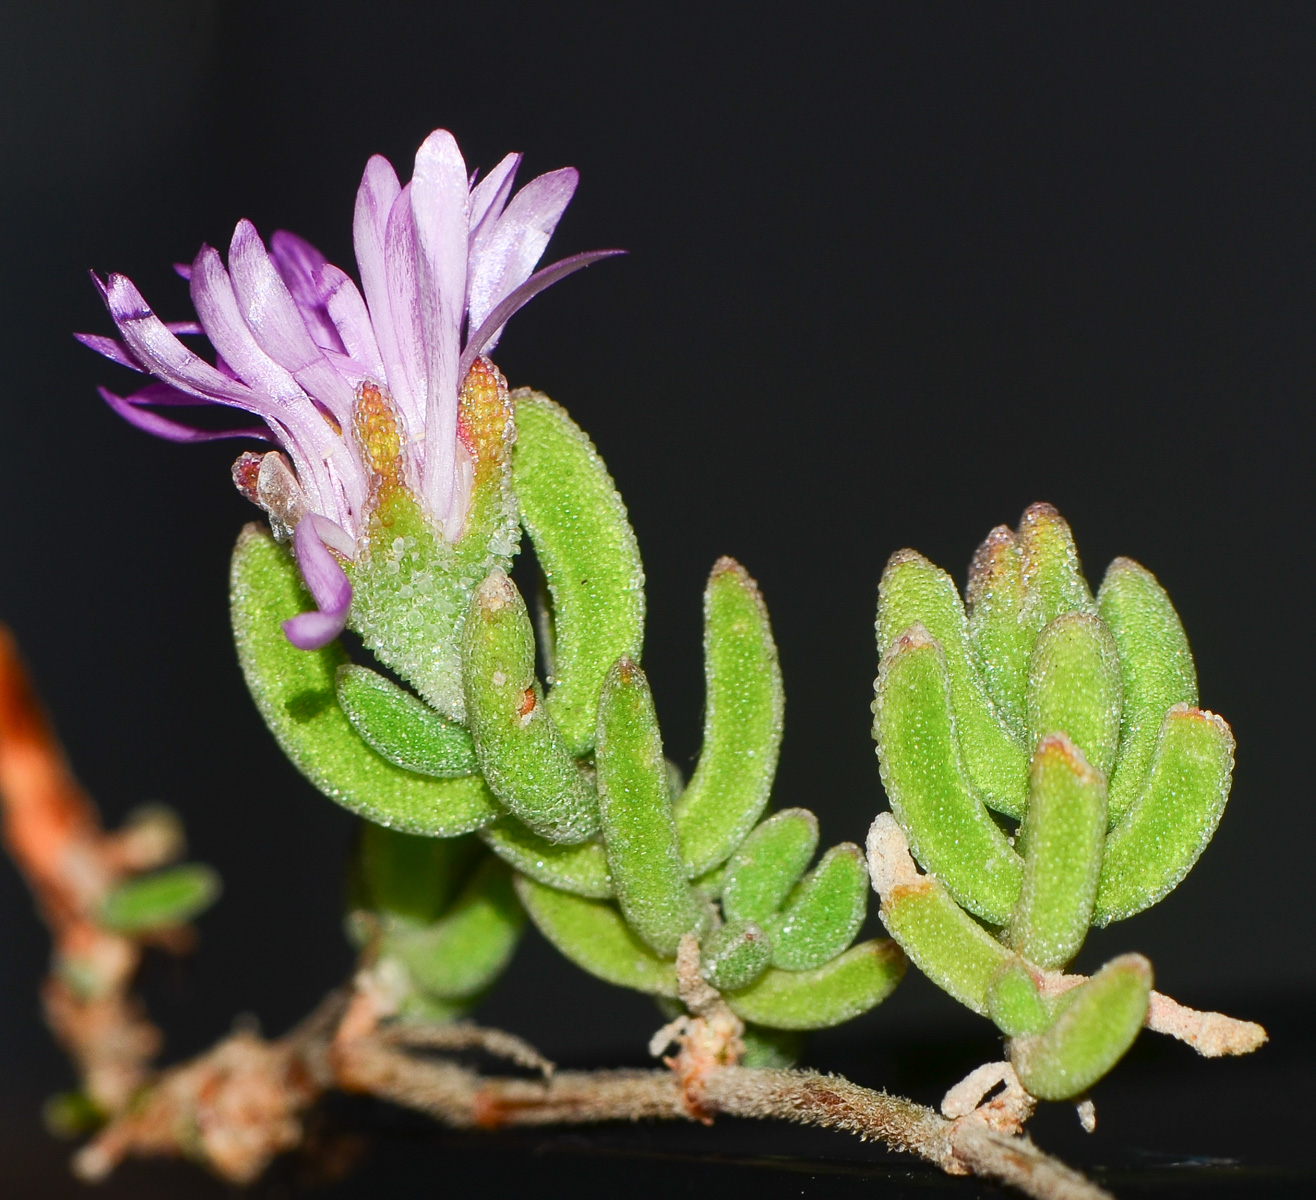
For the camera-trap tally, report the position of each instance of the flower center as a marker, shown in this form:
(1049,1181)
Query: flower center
(378,435)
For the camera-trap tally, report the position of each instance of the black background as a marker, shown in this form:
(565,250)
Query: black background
(895,272)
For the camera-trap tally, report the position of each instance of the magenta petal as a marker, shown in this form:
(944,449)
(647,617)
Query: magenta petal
(166,394)
(489,196)
(374,201)
(183,270)
(488,333)
(347,310)
(329,587)
(173,431)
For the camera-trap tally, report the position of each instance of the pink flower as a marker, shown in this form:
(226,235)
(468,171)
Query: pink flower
(443,265)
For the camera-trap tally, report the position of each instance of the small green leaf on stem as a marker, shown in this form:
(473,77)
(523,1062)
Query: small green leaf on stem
(734,955)
(162,900)
(581,869)
(770,861)
(824,912)
(402,727)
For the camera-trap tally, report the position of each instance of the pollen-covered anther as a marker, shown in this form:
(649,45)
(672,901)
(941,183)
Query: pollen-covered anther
(377,433)
(484,414)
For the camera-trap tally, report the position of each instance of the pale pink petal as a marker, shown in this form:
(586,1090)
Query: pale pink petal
(406,375)
(375,198)
(111,348)
(489,196)
(351,319)
(440,208)
(518,241)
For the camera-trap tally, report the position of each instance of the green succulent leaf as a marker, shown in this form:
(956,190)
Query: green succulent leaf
(589,557)
(460,955)
(594,936)
(581,869)
(1074,687)
(403,875)
(832,994)
(521,752)
(943,941)
(769,863)
(635,812)
(1161,837)
(1064,832)
(1053,576)
(824,912)
(1157,667)
(162,900)
(735,955)
(1097,1023)
(915,592)
(294,691)
(403,728)
(771,1048)
(994,599)
(950,831)
(743,712)
(1014,1003)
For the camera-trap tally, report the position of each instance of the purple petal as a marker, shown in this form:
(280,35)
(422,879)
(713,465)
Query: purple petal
(299,265)
(406,373)
(111,348)
(183,328)
(374,201)
(351,319)
(518,240)
(217,305)
(488,333)
(329,587)
(489,197)
(276,322)
(161,353)
(440,206)
(173,431)
(183,270)
(168,395)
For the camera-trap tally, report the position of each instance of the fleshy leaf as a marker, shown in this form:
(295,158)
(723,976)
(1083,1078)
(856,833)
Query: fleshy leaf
(915,592)
(941,939)
(162,900)
(1063,834)
(589,557)
(460,955)
(1157,666)
(1168,826)
(1014,1003)
(581,869)
(635,814)
(743,710)
(770,861)
(832,994)
(520,750)
(824,912)
(994,599)
(404,729)
(1074,687)
(401,874)
(1053,575)
(950,831)
(1098,1022)
(295,693)
(593,935)
(772,1048)
(735,955)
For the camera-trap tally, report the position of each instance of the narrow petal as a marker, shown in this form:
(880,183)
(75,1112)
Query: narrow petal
(183,328)
(351,319)
(168,395)
(374,201)
(440,206)
(174,431)
(299,265)
(489,196)
(406,373)
(183,270)
(329,587)
(276,321)
(487,335)
(518,240)
(111,348)
(160,352)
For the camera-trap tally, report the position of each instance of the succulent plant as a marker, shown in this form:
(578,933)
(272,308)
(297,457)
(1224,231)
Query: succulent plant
(1049,769)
